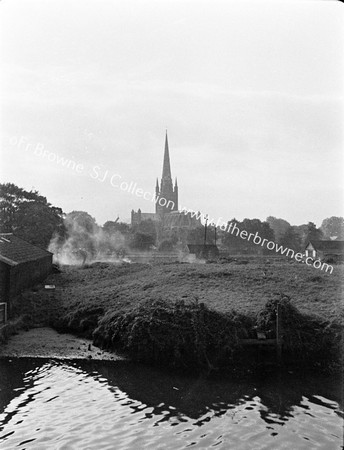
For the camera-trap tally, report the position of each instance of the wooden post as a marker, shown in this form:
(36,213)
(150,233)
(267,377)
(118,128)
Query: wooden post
(279,333)
(3,313)
(205,230)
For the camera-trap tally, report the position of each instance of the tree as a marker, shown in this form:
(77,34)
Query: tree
(144,228)
(231,241)
(166,246)
(302,232)
(29,215)
(279,227)
(110,227)
(196,236)
(143,236)
(333,228)
(257,226)
(308,232)
(113,238)
(83,233)
(11,198)
(291,239)
(141,241)
(313,233)
(82,220)
(37,223)
(147,227)
(236,245)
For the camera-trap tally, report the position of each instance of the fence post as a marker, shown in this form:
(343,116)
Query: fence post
(279,336)
(3,313)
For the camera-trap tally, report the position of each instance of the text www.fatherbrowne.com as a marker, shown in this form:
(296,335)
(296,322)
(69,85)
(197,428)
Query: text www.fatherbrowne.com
(232,228)
(229,227)
(131,188)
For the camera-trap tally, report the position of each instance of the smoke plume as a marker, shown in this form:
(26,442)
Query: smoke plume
(86,242)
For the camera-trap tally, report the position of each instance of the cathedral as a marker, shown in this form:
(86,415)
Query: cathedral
(166,202)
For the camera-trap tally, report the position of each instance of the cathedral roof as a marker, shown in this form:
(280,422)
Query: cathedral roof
(147,216)
(177,219)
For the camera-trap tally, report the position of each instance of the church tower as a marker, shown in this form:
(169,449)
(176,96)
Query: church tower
(167,195)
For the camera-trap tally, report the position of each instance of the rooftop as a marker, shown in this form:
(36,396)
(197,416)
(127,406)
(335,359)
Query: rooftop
(327,245)
(14,250)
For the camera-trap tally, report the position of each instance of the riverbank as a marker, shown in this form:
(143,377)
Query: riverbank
(45,343)
(195,315)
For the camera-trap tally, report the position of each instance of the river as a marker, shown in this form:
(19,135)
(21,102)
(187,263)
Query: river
(49,404)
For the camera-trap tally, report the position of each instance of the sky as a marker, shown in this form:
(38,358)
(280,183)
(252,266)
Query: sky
(251,94)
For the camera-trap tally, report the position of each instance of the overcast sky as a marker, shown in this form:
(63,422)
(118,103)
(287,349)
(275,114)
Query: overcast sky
(251,94)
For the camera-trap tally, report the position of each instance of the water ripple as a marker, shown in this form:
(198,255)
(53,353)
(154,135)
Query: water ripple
(65,406)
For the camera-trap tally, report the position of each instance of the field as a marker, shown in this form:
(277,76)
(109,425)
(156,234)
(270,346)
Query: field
(223,287)
(155,312)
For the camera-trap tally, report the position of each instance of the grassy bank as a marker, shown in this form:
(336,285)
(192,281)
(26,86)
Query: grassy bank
(196,314)
(12,327)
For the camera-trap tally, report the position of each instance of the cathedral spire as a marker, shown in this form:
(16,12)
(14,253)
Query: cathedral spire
(166,170)
(167,195)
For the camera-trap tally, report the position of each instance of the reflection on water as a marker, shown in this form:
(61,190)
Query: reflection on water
(95,405)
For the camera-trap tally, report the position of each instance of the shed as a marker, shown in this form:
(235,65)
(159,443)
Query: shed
(325,249)
(206,251)
(21,265)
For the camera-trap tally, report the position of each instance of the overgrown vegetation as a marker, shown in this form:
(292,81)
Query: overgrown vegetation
(305,337)
(12,327)
(188,315)
(179,334)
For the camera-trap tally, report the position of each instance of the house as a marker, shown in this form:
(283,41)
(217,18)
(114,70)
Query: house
(325,250)
(21,265)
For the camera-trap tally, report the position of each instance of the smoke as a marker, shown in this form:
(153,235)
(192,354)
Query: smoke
(192,259)
(86,242)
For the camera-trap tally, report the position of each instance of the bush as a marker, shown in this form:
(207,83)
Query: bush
(304,336)
(173,334)
(166,246)
(142,241)
(330,260)
(82,320)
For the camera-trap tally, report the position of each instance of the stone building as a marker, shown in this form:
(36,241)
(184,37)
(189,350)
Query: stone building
(166,202)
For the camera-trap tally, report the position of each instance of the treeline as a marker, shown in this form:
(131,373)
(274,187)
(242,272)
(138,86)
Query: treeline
(273,229)
(29,215)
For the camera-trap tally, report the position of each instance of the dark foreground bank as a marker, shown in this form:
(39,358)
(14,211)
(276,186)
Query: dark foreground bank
(189,335)
(121,310)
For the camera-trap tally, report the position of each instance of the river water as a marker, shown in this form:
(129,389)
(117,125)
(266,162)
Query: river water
(47,404)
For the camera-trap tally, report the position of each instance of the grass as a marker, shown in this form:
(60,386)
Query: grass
(12,327)
(115,304)
(222,287)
